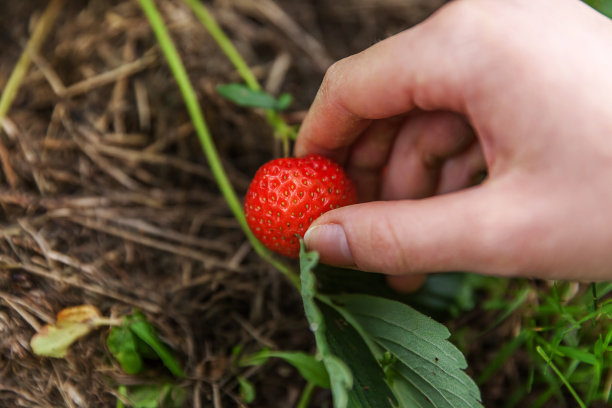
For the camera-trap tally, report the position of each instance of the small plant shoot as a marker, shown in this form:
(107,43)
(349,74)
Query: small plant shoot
(242,95)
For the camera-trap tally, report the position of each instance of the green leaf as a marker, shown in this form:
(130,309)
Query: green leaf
(578,354)
(340,376)
(155,396)
(242,95)
(408,394)
(145,396)
(122,344)
(370,387)
(145,331)
(247,389)
(145,350)
(256,359)
(603,6)
(123,391)
(311,368)
(397,355)
(284,101)
(443,295)
(356,378)
(429,364)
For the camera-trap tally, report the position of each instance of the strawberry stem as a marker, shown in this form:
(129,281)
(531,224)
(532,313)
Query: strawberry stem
(197,117)
(281,129)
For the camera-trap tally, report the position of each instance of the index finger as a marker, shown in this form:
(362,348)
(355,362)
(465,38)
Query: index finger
(423,67)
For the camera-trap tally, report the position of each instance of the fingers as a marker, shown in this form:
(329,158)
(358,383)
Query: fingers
(406,283)
(425,67)
(423,146)
(423,157)
(369,155)
(467,231)
(464,170)
(535,215)
(413,154)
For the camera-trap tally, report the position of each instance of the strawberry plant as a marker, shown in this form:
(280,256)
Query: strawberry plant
(377,352)
(373,347)
(381,352)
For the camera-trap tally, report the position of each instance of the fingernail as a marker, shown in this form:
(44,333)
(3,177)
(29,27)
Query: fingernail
(329,240)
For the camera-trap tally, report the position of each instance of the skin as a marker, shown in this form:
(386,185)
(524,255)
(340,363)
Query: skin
(519,88)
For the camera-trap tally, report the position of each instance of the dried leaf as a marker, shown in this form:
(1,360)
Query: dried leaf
(53,340)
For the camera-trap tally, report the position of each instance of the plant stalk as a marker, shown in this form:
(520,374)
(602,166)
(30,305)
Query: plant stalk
(32,47)
(226,45)
(281,129)
(19,72)
(197,117)
(306,395)
(563,379)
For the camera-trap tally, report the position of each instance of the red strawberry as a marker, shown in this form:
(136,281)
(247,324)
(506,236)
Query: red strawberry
(287,195)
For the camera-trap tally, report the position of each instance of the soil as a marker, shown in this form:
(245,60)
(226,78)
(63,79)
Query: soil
(106,197)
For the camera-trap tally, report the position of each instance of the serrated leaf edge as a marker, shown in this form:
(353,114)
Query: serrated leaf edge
(352,319)
(340,376)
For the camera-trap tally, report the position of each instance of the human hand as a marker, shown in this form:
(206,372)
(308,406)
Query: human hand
(520,88)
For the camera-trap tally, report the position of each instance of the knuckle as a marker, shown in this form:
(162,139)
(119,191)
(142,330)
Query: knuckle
(331,79)
(478,24)
(485,34)
(466,20)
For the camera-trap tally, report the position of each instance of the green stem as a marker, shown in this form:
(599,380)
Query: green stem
(224,43)
(199,124)
(552,365)
(281,129)
(306,396)
(124,393)
(32,47)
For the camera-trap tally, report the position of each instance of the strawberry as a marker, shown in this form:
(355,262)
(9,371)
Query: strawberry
(287,195)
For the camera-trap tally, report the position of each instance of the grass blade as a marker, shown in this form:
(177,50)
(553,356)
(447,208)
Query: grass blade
(204,136)
(32,47)
(145,331)
(565,381)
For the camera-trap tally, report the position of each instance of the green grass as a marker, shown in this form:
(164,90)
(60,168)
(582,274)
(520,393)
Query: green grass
(566,330)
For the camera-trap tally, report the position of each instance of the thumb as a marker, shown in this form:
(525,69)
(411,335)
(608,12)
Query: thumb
(471,230)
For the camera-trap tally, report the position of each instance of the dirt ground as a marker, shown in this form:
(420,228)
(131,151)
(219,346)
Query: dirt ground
(106,197)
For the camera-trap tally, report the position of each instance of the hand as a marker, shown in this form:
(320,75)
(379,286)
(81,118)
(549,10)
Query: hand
(520,88)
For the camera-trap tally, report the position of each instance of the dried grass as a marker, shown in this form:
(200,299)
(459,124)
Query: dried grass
(109,201)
